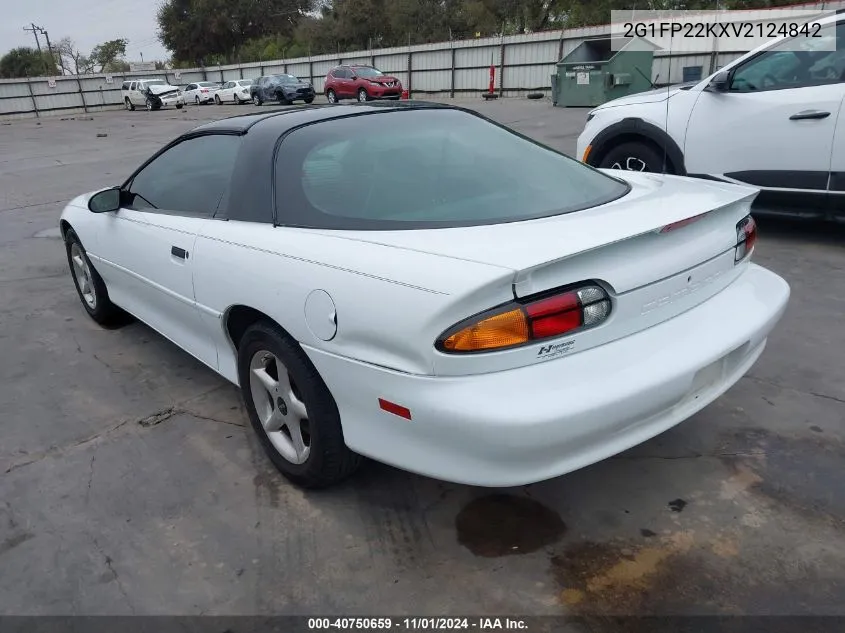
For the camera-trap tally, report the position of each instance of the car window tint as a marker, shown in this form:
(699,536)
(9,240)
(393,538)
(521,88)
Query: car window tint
(778,69)
(190,177)
(426,168)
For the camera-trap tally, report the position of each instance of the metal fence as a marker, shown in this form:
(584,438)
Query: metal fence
(523,63)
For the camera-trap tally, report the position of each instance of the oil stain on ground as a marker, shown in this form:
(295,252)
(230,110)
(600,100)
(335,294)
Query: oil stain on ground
(502,525)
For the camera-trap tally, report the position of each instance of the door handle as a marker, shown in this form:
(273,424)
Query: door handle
(809,114)
(181,253)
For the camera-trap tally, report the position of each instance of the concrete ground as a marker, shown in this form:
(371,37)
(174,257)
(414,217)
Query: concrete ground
(130,484)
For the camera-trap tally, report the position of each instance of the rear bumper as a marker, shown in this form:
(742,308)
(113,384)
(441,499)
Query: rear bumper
(537,422)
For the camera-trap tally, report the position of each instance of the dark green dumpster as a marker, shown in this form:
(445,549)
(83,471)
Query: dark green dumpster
(602,69)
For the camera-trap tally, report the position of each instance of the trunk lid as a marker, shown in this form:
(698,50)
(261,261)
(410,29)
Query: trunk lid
(650,276)
(542,253)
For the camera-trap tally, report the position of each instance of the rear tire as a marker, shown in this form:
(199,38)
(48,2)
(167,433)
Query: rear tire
(323,458)
(256,100)
(178,106)
(128,104)
(217,100)
(89,285)
(636,156)
(309,100)
(363,96)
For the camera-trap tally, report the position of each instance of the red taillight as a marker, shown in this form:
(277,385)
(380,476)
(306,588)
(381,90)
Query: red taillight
(205,89)
(746,238)
(564,311)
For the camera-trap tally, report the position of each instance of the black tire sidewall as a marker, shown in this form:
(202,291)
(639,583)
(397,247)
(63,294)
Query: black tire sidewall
(329,98)
(366,95)
(646,153)
(104,309)
(323,417)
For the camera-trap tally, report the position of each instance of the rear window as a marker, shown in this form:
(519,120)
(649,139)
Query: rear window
(408,169)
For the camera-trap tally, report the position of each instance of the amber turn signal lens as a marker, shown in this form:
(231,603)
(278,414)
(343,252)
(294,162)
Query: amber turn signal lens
(501,330)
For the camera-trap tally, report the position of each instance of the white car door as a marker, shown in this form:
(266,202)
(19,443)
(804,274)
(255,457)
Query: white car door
(135,93)
(227,92)
(773,126)
(190,93)
(146,248)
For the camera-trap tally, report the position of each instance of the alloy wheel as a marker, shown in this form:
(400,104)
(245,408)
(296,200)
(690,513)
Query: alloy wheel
(82,273)
(279,407)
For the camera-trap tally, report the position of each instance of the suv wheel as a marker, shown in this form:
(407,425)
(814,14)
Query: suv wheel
(256,99)
(331,96)
(362,95)
(217,100)
(635,156)
(128,104)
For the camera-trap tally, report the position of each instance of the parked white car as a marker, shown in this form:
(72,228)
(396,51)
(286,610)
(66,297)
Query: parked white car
(773,119)
(236,92)
(416,284)
(152,94)
(201,92)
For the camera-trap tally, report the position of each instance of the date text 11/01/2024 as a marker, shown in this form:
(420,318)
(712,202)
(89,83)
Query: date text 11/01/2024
(417,624)
(736,29)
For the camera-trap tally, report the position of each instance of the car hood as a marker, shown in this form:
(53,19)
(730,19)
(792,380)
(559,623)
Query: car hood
(649,96)
(383,79)
(159,90)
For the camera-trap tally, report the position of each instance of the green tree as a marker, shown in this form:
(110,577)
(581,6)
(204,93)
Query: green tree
(109,55)
(27,62)
(209,31)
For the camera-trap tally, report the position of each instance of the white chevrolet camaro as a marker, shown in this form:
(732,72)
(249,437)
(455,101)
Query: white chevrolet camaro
(419,285)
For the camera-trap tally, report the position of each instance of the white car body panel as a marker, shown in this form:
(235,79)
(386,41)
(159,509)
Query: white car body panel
(204,93)
(236,92)
(721,133)
(137,97)
(687,321)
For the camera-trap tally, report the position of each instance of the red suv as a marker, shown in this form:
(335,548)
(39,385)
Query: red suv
(362,83)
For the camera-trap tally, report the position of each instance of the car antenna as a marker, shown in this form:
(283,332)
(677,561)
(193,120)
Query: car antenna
(653,84)
(668,92)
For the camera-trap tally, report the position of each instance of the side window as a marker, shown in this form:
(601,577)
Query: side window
(801,67)
(340,73)
(125,85)
(189,178)
(132,86)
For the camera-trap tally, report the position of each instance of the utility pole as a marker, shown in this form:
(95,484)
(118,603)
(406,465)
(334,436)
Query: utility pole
(49,49)
(34,30)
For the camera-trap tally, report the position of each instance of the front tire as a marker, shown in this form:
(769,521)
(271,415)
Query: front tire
(282,100)
(178,106)
(217,100)
(309,100)
(196,100)
(331,95)
(89,285)
(291,409)
(636,156)
(128,104)
(363,96)
(256,100)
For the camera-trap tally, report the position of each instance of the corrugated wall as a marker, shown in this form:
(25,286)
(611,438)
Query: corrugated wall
(522,63)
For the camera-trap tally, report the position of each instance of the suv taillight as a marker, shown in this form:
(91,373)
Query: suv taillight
(544,316)
(746,237)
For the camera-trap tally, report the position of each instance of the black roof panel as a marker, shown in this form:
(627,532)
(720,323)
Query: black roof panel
(283,118)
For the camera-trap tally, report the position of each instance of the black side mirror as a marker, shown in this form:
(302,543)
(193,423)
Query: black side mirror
(720,82)
(105,201)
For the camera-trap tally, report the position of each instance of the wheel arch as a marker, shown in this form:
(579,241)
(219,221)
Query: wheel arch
(635,129)
(64,227)
(239,317)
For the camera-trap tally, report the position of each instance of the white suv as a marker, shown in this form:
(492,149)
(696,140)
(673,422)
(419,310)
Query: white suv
(773,119)
(152,94)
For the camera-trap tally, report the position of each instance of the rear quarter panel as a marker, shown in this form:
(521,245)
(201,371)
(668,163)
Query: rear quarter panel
(391,303)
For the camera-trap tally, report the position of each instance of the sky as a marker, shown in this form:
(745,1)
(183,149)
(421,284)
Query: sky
(86,22)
